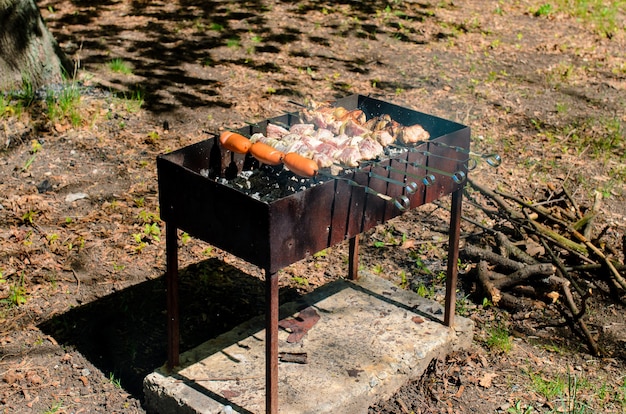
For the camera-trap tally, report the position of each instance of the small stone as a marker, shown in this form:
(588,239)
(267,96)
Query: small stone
(71,197)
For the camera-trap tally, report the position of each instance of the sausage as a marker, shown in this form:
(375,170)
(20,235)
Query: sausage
(299,165)
(266,153)
(235,142)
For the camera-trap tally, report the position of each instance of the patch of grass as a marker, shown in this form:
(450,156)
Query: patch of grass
(17,293)
(118,65)
(544,10)
(55,407)
(29,217)
(549,388)
(115,381)
(499,339)
(321,253)
(7,108)
(185,238)
(216,27)
(462,306)
(518,408)
(404,282)
(233,42)
(134,101)
(602,15)
(302,281)
(35,146)
(603,136)
(424,291)
(64,106)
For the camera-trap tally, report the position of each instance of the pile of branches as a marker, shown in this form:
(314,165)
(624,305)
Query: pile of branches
(543,251)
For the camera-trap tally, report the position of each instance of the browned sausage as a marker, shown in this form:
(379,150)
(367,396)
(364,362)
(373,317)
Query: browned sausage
(266,153)
(235,142)
(299,165)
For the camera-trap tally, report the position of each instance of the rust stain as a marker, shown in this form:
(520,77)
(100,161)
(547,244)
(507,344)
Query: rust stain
(300,325)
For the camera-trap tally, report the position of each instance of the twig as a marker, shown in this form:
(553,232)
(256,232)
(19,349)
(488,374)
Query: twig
(577,317)
(561,267)
(497,199)
(77,279)
(562,246)
(593,266)
(616,276)
(596,207)
(571,200)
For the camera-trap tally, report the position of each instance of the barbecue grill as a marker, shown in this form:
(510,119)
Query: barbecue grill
(271,218)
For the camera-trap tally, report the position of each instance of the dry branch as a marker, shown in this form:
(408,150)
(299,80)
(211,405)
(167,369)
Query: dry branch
(473,252)
(492,293)
(542,270)
(511,249)
(565,239)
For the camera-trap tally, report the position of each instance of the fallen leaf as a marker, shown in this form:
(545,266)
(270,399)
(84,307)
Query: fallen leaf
(460,391)
(534,249)
(34,378)
(408,244)
(485,381)
(554,296)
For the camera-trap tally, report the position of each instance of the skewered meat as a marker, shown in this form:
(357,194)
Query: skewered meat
(276,131)
(334,135)
(412,134)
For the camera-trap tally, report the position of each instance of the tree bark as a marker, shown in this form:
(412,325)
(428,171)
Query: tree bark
(28,52)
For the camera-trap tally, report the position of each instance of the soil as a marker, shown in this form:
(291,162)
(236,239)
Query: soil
(82,264)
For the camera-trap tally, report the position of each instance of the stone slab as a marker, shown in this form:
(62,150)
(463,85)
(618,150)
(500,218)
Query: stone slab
(371,338)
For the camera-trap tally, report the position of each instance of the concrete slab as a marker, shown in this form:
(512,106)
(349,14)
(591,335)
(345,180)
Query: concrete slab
(371,338)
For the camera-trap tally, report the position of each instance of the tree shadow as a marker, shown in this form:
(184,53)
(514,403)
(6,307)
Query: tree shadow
(124,334)
(177,48)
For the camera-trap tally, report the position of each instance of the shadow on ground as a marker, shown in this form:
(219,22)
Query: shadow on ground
(180,50)
(124,334)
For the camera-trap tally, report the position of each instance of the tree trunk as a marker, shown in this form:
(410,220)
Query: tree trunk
(28,52)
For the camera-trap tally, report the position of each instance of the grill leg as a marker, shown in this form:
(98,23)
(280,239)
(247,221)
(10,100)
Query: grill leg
(171,276)
(453,256)
(271,342)
(353,258)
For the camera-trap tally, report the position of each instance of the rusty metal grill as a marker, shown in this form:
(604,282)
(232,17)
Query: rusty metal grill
(196,197)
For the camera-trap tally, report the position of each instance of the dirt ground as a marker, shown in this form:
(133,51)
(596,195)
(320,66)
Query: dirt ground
(81,253)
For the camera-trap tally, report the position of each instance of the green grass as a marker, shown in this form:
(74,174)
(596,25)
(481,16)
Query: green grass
(117,383)
(424,291)
(55,407)
(600,14)
(233,42)
(118,65)
(134,101)
(499,339)
(549,388)
(17,293)
(65,106)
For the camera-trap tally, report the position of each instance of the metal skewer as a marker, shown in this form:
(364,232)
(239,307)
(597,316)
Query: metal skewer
(457,176)
(427,180)
(471,163)
(402,202)
(410,187)
(494,160)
